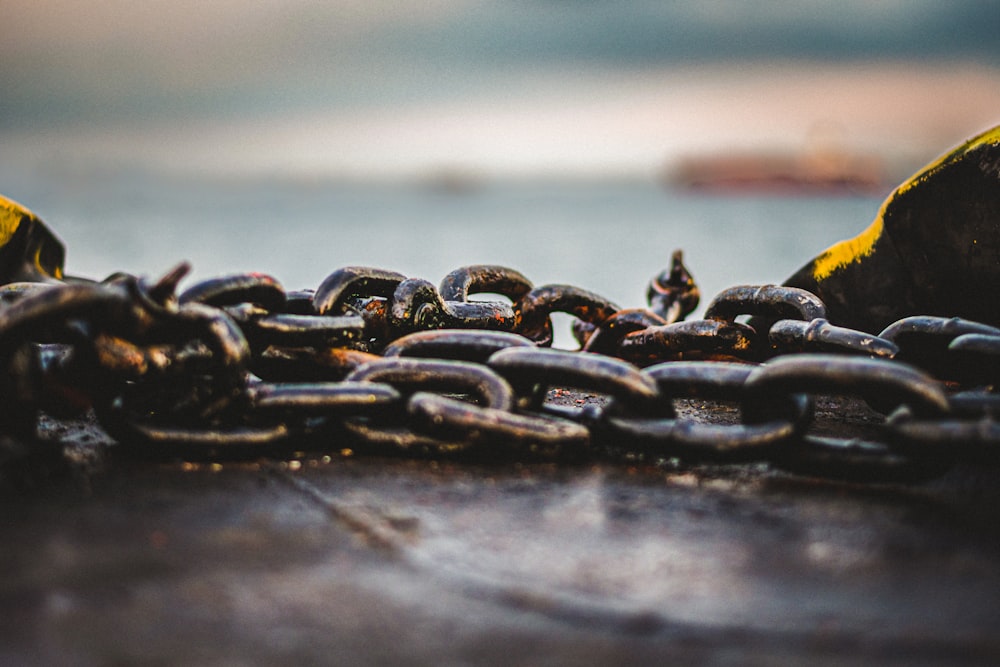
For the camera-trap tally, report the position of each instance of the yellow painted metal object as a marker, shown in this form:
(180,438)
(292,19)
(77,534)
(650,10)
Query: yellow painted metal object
(933,248)
(29,251)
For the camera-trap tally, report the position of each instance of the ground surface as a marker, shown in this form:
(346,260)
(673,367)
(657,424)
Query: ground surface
(387,561)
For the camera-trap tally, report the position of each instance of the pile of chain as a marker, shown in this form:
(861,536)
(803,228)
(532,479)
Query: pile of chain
(373,362)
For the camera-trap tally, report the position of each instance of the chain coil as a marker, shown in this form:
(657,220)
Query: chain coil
(375,362)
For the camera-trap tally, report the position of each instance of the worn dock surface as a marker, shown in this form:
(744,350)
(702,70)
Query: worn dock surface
(347,560)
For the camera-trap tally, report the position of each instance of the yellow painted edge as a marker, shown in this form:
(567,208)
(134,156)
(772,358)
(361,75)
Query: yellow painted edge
(845,252)
(991,136)
(863,245)
(11,214)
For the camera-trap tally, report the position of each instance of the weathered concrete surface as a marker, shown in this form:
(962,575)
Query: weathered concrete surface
(376,561)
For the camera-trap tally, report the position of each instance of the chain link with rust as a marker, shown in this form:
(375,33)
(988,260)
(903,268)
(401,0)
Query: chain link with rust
(375,362)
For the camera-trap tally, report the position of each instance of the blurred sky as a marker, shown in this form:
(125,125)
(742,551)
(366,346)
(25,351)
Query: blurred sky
(517,88)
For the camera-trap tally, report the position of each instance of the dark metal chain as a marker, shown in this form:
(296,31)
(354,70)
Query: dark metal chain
(375,362)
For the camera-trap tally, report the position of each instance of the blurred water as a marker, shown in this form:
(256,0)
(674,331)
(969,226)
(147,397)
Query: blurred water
(609,237)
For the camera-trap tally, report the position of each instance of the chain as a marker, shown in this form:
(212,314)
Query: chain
(373,362)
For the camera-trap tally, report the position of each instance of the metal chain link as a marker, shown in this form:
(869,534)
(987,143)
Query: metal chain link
(375,362)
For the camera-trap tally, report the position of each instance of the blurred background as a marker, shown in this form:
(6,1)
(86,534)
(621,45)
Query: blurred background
(577,141)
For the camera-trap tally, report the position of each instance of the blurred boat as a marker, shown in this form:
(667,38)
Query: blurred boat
(452,180)
(826,171)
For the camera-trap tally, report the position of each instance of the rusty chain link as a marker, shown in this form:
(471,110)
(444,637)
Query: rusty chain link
(375,362)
